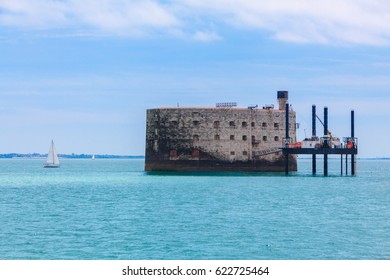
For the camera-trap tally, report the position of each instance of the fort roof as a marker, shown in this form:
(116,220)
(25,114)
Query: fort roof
(216,108)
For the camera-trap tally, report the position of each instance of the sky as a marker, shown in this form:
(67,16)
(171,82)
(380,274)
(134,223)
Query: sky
(83,73)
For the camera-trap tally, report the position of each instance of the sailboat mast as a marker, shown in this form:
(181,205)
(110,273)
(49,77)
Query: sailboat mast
(52,149)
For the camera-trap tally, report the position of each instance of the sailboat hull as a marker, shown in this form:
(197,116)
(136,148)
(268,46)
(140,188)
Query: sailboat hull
(51,165)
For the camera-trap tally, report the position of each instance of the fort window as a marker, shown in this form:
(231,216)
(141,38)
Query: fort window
(174,123)
(173,154)
(232,153)
(244,124)
(216,124)
(195,122)
(276,125)
(244,153)
(264,125)
(244,137)
(216,137)
(195,137)
(264,138)
(231,137)
(253,124)
(276,138)
(232,124)
(195,153)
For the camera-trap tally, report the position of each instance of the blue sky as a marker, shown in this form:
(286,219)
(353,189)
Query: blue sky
(84,72)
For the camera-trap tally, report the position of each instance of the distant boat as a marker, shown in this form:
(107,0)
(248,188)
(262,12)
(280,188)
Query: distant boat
(52,158)
(93,157)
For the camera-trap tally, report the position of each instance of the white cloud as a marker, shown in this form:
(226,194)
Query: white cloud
(122,15)
(362,22)
(206,36)
(115,16)
(33,13)
(365,22)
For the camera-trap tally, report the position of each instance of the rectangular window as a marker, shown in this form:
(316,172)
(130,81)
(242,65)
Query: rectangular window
(216,137)
(195,123)
(244,153)
(231,137)
(216,124)
(173,154)
(195,153)
(276,125)
(232,153)
(244,137)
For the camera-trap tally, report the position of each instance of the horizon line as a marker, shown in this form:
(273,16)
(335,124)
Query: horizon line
(82,155)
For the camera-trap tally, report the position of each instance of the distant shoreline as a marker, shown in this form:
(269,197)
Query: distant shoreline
(72,156)
(89,156)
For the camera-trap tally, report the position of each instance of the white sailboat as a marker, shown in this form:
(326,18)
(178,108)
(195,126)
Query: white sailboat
(52,158)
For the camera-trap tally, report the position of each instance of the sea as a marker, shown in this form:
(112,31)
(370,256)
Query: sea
(112,209)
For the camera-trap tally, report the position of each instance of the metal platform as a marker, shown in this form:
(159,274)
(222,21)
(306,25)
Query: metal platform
(349,147)
(319,151)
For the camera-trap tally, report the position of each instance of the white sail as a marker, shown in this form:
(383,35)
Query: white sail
(52,158)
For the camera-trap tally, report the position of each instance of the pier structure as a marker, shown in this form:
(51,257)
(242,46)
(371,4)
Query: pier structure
(325,145)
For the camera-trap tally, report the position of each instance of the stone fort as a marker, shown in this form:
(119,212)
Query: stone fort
(223,138)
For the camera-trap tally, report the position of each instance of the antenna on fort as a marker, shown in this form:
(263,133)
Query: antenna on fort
(226,104)
(253,106)
(268,106)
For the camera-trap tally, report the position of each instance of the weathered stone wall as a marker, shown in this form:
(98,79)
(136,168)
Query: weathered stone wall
(181,138)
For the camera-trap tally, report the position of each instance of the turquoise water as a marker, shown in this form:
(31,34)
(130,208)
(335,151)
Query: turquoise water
(112,209)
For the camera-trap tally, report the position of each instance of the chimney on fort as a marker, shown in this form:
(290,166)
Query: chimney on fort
(282,99)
